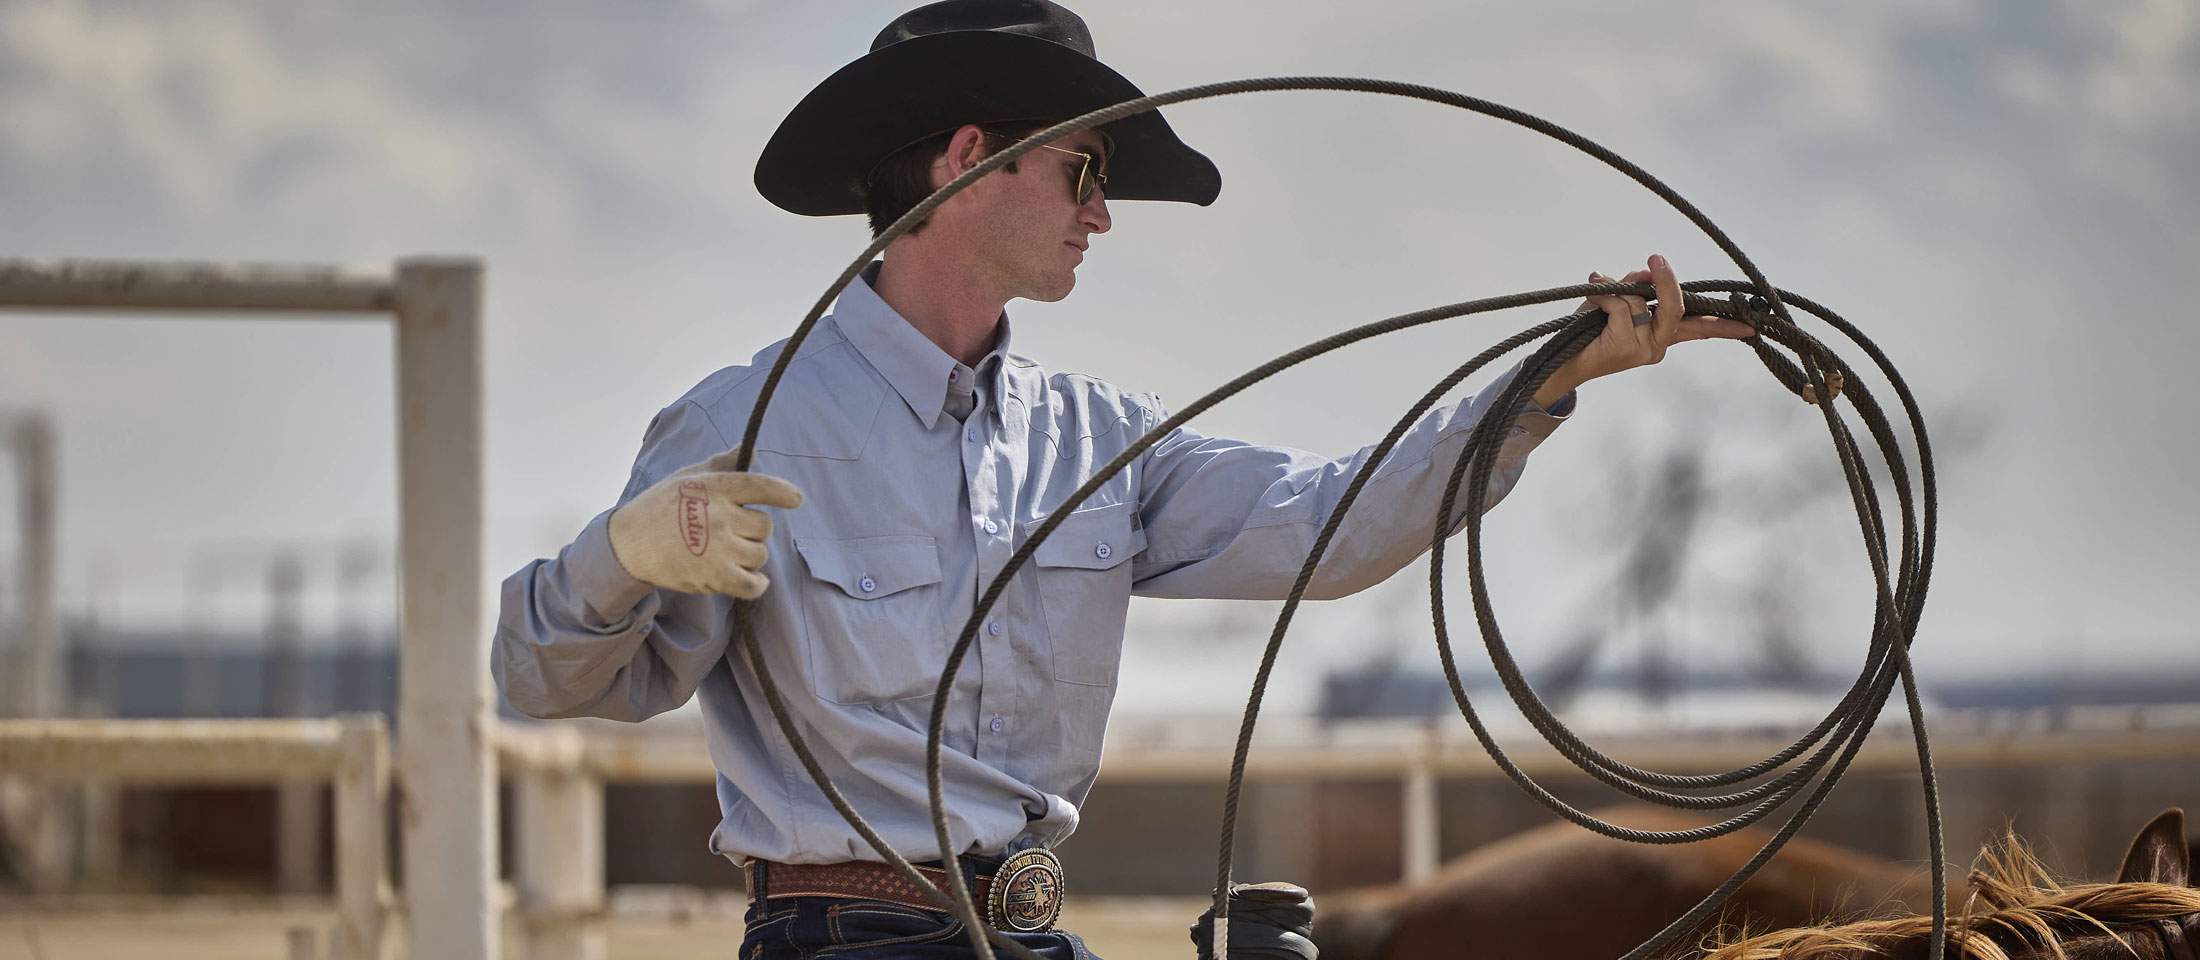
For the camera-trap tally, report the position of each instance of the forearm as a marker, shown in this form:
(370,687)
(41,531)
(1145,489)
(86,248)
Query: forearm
(1235,520)
(1554,390)
(572,638)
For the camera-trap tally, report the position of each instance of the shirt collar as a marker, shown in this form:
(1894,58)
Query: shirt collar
(915,366)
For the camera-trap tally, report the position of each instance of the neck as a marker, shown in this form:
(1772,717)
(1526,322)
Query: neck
(943,298)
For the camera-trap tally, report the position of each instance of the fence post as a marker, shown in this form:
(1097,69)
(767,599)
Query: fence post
(362,845)
(1418,787)
(446,763)
(558,857)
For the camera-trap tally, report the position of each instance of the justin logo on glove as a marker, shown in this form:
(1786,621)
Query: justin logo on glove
(695,516)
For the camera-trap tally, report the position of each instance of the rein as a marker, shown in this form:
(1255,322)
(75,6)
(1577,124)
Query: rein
(1831,745)
(2176,940)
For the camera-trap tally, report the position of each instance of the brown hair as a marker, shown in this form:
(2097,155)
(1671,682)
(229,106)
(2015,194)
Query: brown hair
(904,178)
(2015,908)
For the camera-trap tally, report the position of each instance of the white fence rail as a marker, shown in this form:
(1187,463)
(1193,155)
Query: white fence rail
(559,770)
(350,751)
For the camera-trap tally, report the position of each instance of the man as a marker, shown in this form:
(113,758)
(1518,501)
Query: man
(926,451)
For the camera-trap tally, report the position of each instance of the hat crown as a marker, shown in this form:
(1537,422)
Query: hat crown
(1043,19)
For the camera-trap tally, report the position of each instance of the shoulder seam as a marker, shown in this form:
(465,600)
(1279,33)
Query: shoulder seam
(762,369)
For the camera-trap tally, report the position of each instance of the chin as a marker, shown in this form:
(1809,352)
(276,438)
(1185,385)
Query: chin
(1053,291)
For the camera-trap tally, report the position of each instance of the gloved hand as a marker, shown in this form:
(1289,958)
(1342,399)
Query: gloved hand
(1268,921)
(695,531)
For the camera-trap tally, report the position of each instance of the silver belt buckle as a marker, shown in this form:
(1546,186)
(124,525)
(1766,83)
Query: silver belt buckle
(1027,892)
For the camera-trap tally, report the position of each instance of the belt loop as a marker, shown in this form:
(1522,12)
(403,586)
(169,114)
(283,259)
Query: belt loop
(757,880)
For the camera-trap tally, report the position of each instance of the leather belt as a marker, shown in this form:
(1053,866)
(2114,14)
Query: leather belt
(1022,894)
(858,880)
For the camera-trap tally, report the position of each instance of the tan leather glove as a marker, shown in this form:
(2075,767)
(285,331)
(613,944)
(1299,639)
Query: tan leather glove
(696,531)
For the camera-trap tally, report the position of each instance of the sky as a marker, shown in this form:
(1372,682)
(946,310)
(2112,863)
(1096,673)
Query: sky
(2002,195)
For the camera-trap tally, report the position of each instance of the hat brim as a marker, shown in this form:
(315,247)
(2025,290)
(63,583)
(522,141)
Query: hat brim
(817,162)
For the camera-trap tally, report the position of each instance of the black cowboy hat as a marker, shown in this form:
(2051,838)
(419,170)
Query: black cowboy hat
(946,64)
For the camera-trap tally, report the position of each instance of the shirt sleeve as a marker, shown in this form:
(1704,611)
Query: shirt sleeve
(577,636)
(1233,520)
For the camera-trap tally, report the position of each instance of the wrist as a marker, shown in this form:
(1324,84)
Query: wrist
(1552,391)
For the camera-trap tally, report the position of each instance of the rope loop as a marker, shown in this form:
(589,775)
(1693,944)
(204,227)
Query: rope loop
(1806,769)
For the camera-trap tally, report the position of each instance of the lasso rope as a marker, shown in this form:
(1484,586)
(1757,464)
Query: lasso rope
(1899,596)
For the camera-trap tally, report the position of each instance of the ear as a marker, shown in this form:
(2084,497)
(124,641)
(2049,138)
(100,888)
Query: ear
(965,149)
(2158,854)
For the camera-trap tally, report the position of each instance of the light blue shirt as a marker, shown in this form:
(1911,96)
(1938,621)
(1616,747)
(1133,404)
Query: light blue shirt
(909,514)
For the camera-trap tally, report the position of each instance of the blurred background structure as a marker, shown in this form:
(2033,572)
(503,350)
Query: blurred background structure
(201,517)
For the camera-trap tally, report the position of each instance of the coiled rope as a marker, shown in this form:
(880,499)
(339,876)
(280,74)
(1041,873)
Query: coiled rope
(1898,603)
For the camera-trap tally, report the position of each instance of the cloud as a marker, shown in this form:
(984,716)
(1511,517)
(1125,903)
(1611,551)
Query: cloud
(2116,87)
(213,115)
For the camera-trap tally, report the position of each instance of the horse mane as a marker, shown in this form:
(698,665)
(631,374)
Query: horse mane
(2014,904)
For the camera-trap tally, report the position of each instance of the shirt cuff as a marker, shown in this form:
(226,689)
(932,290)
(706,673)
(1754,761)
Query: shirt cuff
(1560,410)
(596,573)
(1537,423)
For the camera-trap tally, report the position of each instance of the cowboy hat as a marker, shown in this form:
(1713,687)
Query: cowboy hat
(956,62)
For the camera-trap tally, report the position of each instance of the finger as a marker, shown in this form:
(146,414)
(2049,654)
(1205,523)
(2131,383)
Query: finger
(1636,304)
(1711,328)
(760,489)
(1641,319)
(1619,319)
(741,551)
(1670,307)
(748,524)
(1590,303)
(746,584)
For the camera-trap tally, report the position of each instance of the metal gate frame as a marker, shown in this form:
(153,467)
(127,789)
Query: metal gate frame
(446,756)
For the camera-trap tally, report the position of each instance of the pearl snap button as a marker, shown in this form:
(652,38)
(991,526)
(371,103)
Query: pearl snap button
(991,527)
(868,584)
(998,723)
(1102,551)
(972,434)
(994,628)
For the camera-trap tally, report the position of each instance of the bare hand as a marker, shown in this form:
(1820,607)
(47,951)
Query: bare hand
(1624,345)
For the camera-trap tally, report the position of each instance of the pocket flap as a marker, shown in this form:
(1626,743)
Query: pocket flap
(1094,538)
(872,567)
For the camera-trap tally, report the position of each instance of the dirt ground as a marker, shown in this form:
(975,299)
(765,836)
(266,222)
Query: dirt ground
(1116,928)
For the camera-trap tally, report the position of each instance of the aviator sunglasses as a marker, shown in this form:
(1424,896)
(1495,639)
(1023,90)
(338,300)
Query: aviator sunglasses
(1089,179)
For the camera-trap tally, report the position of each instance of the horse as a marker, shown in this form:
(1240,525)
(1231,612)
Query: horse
(1510,899)
(2016,910)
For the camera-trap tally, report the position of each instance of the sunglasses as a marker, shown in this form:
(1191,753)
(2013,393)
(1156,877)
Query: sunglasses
(1089,179)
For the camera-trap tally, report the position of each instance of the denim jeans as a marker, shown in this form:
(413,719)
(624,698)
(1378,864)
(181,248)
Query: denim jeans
(800,928)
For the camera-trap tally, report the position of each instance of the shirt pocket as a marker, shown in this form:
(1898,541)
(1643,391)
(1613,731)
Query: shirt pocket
(1084,578)
(873,627)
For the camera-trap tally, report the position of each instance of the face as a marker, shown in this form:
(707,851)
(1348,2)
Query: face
(1025,230)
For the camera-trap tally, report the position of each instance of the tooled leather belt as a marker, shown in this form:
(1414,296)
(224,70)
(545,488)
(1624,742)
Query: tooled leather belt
(1026,899)
(856,879)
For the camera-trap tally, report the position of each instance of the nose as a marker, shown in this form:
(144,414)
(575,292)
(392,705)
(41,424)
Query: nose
(1094,212)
